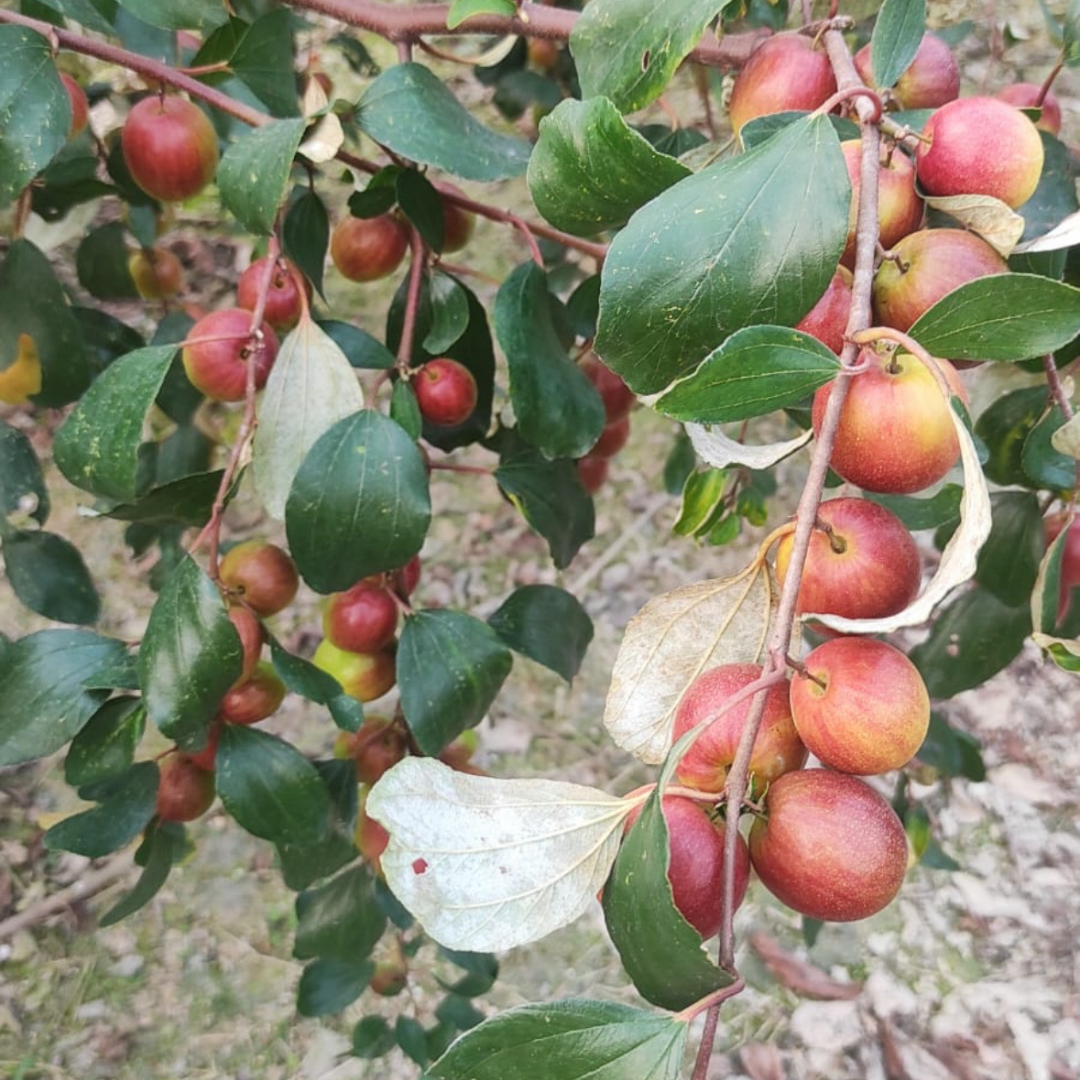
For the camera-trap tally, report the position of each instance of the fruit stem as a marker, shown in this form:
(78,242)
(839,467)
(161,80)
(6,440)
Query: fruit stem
(1048,82)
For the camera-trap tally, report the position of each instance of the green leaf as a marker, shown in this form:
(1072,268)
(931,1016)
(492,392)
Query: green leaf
(703,503)
(412,1039)
(360,348)
(450,667)
(1009,559)
(558,410)
(339,919)
(405,409)
(328,986)
(35,111)
(263,62)
(1002,317)
(549,496)
(102,263)
(188,501)
(304,678)
(189,657)
(1045,466)
(123,811)
(458,1011)
(359,503)
(450,313)
(106,746)
(411,112)
(372,1037)
(97,448)
(974,637)
(460,10)
(44,700)
(482,969)
(941,508)
(83,12)
(305,236)
(705,258)
(163,846)
(35,305)
(628,50)
(254,173)
(569,1040)
(179,14)
(756,131)
(638,894)
(897,34)
(422,205)
(1004,427)
(48,575)
(756,371)
(546,624)
(951,751)
(21,477)
(311,386)
(1055,196)
(106,338)
(590,170)
(269,787)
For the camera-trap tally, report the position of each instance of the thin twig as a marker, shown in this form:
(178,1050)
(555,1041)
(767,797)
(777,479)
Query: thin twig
(417,262)
(1057,390)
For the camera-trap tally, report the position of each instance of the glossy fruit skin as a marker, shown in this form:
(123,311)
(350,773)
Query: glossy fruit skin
(445,391)
(777,748)
(932,78)
(832,848)
(80,107)
(617,397)
(696,863)
(933,262)
(254,698)
(877,572)
(170,147)
(872,714)
(592,472)
(364,676)
(284,301)
(458,224)
(613,438)
(157,273)
(378,745)
(206,758)
(1023,95)
(1070,558)
(261,574)
(370,837)
(896,435)
(783,73)
(251,636)
(389,979)
(407,577)
(827,320)
(980,146)
(366,249)
(362,619)
(900,210)
(218,368)
(185,792)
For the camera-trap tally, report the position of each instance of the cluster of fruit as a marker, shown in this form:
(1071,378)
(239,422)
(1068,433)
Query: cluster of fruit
(618,400)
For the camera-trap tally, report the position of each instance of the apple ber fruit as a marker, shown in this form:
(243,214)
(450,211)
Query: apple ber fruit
(1025,95)
(930,80)
(219,348)
(286,295)
(157,273)
(377,745)
(860,705)
(366,249)
(827,320)
(260,574)
(362,619)
(830,847)
(446,392)
(364,676)
(80,107)
(170,147)
(255,698)
(185,792)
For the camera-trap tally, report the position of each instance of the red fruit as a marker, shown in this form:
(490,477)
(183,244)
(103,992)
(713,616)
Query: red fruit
(261,574)
(860,706)
(185,791)
(705,765)
(366,249)
(284,301)
(217,366)
(390,978)
(896,433)
(254,698)
(543,53)
(445,391)
(592,472)
(827,319)
(157,273)
(251,636)
(831,848)
(370,837)
(407,578)
(364,676)
(378,745)
(900,210)
(866,566)
(612,439)
(783,73)
(80,107)
(931,79)
(926,266)
(696,863)
(170,147)
(617,397)
(363,619)
(458,224)
(458,754)
(1025,95)
(980,146)
(207,756)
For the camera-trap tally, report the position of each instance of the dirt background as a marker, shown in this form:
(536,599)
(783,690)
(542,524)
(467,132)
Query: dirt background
(970,975)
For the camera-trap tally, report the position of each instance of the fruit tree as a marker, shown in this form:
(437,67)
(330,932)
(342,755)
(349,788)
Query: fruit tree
(800,236)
